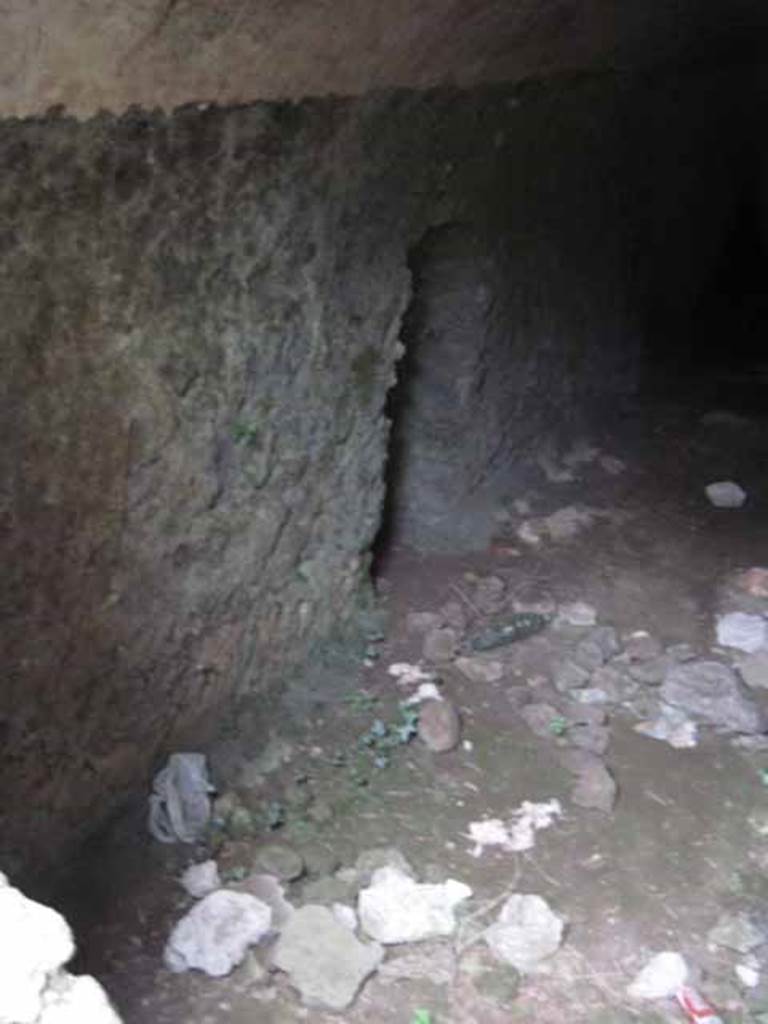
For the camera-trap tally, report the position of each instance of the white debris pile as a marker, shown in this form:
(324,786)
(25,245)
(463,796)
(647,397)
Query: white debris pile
(519,833)
(216,933)
(35,943)
(410,675)
(395,908)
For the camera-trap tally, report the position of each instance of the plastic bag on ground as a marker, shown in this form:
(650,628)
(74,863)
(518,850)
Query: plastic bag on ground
(180,805)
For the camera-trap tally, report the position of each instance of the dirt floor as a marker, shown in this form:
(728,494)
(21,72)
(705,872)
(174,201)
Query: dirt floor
(679,849)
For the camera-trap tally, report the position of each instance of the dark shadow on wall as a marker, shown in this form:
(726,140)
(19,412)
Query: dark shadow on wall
(442,332)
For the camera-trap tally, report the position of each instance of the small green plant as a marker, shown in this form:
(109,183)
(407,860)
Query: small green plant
(558,726)
(274,815)
(383,737)
(246,433)
(234,874)
(361,702)
(421,1017)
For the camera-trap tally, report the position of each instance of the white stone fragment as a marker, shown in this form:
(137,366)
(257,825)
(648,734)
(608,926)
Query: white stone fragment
(748,975)
(661,977)
(395,908)
(745,632)
(345,915)
(34,942)
(726,494)
(526,932)
(216,933)
(426,691)
(82,1000)
(579,613)
(201,879)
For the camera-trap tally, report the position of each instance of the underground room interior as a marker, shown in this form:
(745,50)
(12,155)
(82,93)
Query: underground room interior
(383,513)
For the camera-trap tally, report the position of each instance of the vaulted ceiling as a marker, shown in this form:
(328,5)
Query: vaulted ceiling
(91,54)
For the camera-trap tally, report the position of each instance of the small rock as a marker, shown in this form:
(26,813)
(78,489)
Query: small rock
(681,652)
(567,523)
(726,494)
(323,959)
(758,822)
(431,961)
(754,582)
(395,909)
(745,632)
(748,975)
(754,670)
(595,788)
(737,931)
(711,691)
(327,891)
(439,725)
(614,682)
(480,669)
(269,890)
(660,978)
(370,861)
(281,861)
(607,639)
(577,614)
(588,655)
(526,932)
(588,736)
(423,622)
(641,646)
(570,676)
(200,879)
(541,719)
(216,933)
(440,645)
(454,615)
(671,726)
(488,597)
(320,812)
(652,672)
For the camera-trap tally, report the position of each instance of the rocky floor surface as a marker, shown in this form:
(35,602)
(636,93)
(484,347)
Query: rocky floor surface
(547,766)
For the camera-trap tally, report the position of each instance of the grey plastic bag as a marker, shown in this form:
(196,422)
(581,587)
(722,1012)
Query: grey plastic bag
(180,806)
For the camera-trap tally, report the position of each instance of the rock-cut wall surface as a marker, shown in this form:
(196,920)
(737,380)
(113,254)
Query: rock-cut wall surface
(200,321)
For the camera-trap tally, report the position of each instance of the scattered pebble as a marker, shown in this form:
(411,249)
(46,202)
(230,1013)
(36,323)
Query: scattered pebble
(595,788)
(410,675)
(577,614)
(323,958)
(395,909)
(217,932)
(726,494)
(480,670)
(661,977)
(281,861)
(671,726)
(738,932)
(744,632)
(440,645)
(641,646)
(712,692)
(527,932)
(754,582)
(754,670)
(439,725)
(519,833)
(200,879)
(570,676)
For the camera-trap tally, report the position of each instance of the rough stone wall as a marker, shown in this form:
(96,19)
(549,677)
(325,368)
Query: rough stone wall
(614,210)
(200,318)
